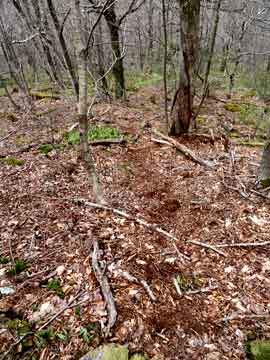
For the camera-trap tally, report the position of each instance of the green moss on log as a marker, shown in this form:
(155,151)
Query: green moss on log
(258,350)
(39,95)
(233,107)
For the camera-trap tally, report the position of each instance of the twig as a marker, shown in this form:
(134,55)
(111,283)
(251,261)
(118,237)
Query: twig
(129,277)
(137,220)
(107,141)
(246,316)
(184,150)
(264,243)
(202,290)
(105,288)
(42,326)
(207,246)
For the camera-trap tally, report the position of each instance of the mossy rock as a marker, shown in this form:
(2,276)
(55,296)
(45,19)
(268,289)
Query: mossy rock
(39,95)
(138,357)
(12,161)
(258,350)
(233,107)
(108,352)
(8,116)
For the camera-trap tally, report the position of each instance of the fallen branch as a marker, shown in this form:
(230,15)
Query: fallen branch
(202,290)
(105,288)
(186,151)
(129,277)
(107,141)
(138,221)
(264,243)
(207,246)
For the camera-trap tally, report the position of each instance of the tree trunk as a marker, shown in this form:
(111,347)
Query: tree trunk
(59,30)
(264,170)
(181,114)
(85,153)
(118,68)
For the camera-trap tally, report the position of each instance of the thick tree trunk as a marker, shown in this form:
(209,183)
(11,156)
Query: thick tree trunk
(181,114)
(118,68)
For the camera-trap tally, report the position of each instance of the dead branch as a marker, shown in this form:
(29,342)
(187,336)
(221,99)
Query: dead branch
(142,222)
(105,288)
(256,244)
(129,277)
(184,150)
(202,290)
(107,141)
(207,246)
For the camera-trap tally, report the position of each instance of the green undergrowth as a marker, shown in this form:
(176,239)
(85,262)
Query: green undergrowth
(137,80)
(19,266)
(95,133)
(11,161)
(55,286)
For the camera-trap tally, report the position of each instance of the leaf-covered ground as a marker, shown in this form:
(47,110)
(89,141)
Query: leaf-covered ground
(207,304)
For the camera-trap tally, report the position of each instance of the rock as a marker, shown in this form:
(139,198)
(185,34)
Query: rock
(108,352)
(7,290)
(213,356)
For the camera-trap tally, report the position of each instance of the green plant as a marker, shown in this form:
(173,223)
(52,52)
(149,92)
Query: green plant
(18,267)
(18,327)
(63,336)
(85,334)
(45,148)
(55,286)
(78,310)
(12,161)
(94,133)
(4,260)
(47,333)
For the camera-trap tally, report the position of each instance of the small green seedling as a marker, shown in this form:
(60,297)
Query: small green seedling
(55,286)
(86,336)
(78,310)
(18,267)
(4,260)
(46,148)
(63,336)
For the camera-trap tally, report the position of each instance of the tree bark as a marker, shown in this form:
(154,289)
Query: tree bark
(181,113)
(118,68)
(85,153)
(62,41)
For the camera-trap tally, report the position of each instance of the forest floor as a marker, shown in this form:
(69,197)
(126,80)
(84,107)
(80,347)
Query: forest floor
(207,303)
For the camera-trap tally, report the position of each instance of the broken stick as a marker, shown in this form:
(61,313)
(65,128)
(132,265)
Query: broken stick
(105,288)
(184,150)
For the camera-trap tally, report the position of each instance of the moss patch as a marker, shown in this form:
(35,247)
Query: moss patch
(258,350)
(232,107)
(44,113)
(38,95)
(95,133)
(12,161)
(45,148)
